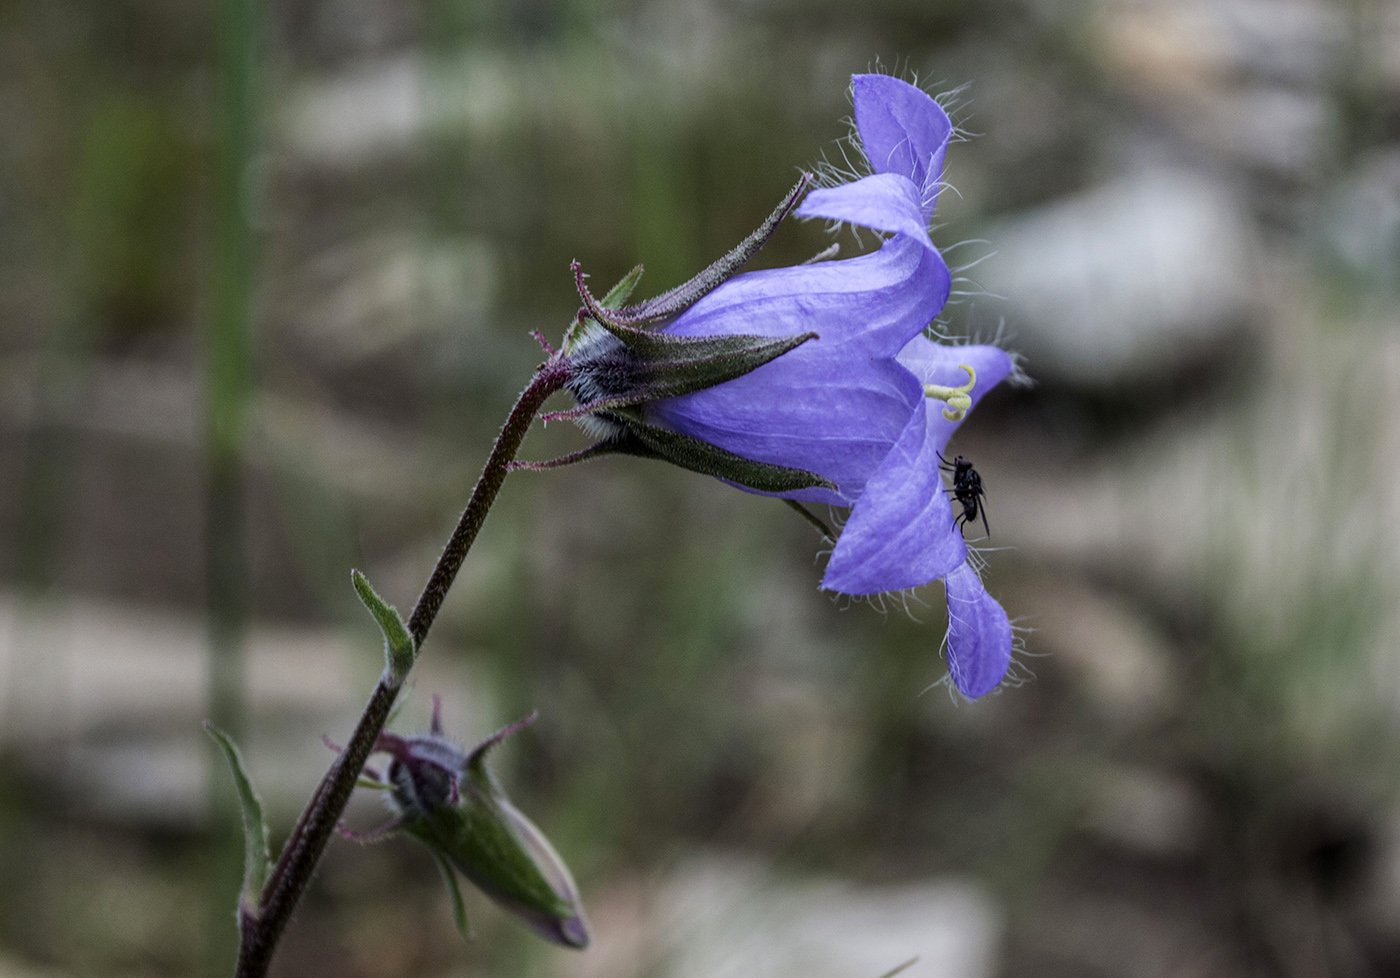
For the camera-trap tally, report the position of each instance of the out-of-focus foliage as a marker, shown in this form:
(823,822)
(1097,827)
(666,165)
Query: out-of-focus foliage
(1191,225)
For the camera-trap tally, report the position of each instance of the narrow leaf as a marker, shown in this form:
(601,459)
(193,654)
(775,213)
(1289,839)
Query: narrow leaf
(257,863)
(459,907)
(398,643)
(622,291)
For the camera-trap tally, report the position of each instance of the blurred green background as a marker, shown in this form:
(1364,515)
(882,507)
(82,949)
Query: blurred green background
(1185,213)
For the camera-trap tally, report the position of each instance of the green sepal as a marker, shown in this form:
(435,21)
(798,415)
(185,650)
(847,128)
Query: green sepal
(669,366)
(684,296)
(398,643)
(622,291)
(454,892)
(491,842)
(477,837)
(488,840)
(644,440)
(616,296)
(257,862)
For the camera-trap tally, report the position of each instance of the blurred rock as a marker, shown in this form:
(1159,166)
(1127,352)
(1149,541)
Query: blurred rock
(1147,811)
(1105,934)
(379,108)
(723,918)
(812,744)
(1360,223)
(104,702)
(1183,46)
(374,108)
(1118,660)
(1248,80)
(130,485)
(340,27)
(1135,278)
(377,293)
(1272,128)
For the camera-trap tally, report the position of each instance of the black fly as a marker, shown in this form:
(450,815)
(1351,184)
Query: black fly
(967,490)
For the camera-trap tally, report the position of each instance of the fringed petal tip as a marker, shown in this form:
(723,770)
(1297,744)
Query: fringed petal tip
(902,130)
(979,635)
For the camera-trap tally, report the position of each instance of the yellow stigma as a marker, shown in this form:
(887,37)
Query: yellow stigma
(959,398)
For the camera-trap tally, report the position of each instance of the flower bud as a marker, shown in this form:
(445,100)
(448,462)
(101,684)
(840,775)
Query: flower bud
(450,801)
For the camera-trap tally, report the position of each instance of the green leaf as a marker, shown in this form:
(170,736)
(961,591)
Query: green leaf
(257,863)
(622,291)
(398,643)
(459,907)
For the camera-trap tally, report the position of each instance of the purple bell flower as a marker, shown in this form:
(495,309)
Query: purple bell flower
(852,404)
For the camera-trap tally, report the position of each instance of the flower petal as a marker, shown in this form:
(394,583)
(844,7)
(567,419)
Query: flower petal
(934,363)
(903,131)
(836,404)
(979,635)
(901,532)
(873,305)
(821,411)
(883,202)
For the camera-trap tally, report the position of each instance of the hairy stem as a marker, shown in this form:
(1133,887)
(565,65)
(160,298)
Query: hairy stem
(260,931)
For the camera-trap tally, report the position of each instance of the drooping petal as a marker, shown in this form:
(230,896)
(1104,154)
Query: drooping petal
(883,202)
(903,131)
(934,363)
(900,533)
(979,635)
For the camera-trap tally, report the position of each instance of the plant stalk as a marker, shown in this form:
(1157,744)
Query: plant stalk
(262,928)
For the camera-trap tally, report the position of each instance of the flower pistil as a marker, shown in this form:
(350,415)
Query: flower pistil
(959,399)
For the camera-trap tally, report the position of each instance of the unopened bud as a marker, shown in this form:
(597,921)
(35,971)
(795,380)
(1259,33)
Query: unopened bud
(450,802)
